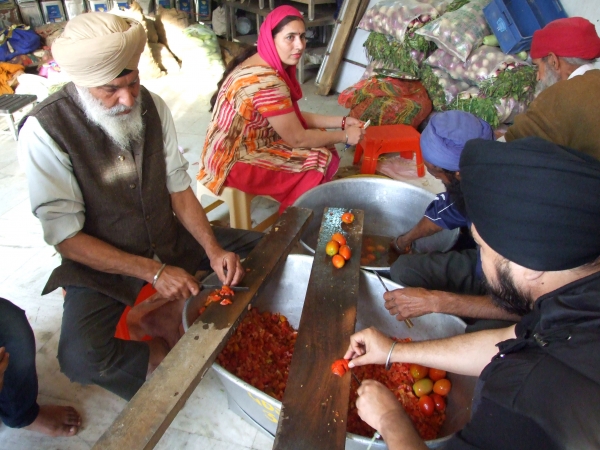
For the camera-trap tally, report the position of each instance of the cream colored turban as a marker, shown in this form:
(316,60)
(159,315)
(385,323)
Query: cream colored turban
(95,47)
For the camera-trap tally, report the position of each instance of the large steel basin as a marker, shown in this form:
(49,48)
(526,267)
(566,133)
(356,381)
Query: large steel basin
(285,293)
(391,208)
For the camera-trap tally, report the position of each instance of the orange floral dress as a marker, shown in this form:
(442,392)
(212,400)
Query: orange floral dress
(240,132)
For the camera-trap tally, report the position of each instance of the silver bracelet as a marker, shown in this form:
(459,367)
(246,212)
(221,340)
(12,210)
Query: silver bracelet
(387,361)
(346,139)
(155,279)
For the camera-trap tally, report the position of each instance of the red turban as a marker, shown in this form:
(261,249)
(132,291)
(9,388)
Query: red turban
(574,37)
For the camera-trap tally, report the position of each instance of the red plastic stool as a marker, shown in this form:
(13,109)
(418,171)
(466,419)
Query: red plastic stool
(381,139)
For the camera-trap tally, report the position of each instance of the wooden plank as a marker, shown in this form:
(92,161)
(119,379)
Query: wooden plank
(315,404)
(337,46)
(149,413)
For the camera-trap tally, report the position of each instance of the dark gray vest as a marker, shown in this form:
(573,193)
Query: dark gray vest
(130,212)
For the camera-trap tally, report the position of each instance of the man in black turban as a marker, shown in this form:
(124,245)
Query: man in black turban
(536,218)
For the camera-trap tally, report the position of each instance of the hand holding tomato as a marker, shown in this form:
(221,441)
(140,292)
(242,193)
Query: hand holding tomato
(410,302)
(368,346)
(380,408)
(376,401)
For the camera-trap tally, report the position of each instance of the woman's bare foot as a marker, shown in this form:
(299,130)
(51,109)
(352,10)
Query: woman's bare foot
(55,420)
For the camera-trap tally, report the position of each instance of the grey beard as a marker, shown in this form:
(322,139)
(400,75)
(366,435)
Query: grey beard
(551,77)
(123,129)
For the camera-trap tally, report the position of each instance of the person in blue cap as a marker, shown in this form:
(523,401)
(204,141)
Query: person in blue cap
(449,282)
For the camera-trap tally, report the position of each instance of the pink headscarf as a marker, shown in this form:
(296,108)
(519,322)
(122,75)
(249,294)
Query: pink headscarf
(268,52)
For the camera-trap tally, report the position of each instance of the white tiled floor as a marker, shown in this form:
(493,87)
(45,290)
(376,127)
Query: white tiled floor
(26,262)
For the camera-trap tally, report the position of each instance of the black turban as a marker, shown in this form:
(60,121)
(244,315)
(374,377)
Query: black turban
(534,202)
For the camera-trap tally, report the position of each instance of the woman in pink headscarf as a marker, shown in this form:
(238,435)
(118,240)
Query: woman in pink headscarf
(258,140)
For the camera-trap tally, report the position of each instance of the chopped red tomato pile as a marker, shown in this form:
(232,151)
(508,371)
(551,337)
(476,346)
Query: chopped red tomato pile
(260,353)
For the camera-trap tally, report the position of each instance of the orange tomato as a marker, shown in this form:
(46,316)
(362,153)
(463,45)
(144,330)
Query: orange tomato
(332,248)
(339,238)
(442,387)
(338,261)
(380,248)
(371,257)
(364,261)
(418,371)
(347,217)
(345,252)
(370,248)
(436,374)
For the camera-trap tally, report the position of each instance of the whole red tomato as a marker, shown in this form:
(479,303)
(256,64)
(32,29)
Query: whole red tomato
(426,405)
(442,386)
(339,238)
(347,217)
(436,374)
(345,252)
(440,403)
(338,261)
(418,371)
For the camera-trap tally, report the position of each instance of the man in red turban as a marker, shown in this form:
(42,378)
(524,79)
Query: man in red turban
(564,112)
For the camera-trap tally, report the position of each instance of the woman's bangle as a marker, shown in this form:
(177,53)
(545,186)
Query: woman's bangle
(346,139)
(155,279)
(344,124)
(389,357)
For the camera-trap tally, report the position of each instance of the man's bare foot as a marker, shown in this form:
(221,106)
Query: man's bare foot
(55,420)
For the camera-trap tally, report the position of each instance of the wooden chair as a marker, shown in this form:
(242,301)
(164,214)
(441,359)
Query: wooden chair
(238,203)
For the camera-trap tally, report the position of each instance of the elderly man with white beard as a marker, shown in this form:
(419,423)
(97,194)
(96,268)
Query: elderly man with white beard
(111,191)
(565,111)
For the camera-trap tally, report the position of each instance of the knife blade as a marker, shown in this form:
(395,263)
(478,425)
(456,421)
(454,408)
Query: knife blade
(220,286)
(408,322)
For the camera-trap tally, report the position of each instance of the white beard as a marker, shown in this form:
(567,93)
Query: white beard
(123,129)
(551,77)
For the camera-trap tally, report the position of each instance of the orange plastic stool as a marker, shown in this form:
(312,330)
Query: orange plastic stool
(381,139)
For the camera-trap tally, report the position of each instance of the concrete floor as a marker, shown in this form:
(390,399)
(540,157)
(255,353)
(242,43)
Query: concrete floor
(26,262)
